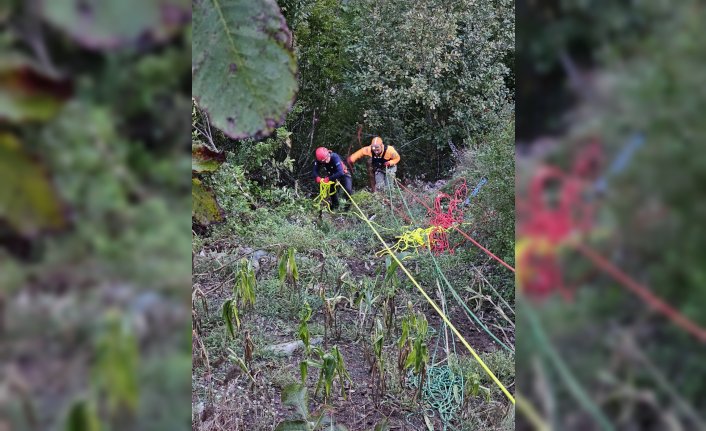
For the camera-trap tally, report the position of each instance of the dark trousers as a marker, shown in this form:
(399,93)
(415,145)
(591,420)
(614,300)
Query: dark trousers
(347,182)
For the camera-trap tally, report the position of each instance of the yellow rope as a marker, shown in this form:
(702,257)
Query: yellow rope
(325,191)
(435,306)
(526,407)
(412,238)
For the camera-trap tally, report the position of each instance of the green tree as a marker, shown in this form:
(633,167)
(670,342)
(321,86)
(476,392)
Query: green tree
(434,71)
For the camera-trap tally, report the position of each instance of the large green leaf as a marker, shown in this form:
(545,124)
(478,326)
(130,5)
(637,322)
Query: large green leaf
(105,24)
(28,93)
(203,159)
(28,201)
(205,209)
(295,395)
(243,69)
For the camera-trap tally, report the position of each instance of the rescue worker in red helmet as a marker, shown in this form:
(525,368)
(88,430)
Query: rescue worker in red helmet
(385,160)
(337,172)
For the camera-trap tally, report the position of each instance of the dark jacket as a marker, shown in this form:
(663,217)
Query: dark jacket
(335,167)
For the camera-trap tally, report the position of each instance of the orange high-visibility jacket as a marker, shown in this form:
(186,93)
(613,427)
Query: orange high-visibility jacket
(389,154)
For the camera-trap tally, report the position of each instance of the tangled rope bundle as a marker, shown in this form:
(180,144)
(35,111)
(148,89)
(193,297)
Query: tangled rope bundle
(545,228)
(443,389)
(413,239)
(441,220)
(326,190)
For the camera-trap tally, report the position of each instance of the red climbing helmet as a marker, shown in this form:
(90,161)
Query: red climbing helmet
(321,154)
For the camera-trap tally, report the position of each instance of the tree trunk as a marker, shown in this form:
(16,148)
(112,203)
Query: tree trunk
(368,161)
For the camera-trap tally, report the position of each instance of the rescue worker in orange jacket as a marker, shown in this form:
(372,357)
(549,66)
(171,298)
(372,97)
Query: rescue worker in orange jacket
(337,172)
(385,160)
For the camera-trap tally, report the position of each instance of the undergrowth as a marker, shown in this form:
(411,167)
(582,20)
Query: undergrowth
(352,294)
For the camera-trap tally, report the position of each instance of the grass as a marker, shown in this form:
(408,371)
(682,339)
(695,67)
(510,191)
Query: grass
(501,362)
(327,249)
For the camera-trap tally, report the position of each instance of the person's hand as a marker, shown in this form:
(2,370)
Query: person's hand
(387,164)
(318,180)
(350,161)
(326,180)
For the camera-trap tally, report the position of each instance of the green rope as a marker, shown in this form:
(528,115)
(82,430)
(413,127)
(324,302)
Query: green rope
(465,307)
(569,379)
(453,291)
(388,186)
(443,389)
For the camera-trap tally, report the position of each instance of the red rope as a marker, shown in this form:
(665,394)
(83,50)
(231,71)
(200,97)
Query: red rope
(488,252)
(644,293)
(574,215)
(444,220)
(414,196)
(454,215)
(552,224)
(438,239)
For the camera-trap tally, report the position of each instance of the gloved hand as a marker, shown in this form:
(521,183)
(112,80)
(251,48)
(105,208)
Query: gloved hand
(318,180)
(387,164)
(326,180)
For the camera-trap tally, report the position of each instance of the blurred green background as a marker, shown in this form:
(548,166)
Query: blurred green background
(614,71)
(94,244)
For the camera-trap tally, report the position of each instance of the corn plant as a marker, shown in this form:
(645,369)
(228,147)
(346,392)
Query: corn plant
(196,322)
(365,302)
(244,365)
(245,284)
(115,371)
(83,415)
(331,306)
(474,387)
(414,353)
(388,312)
(391,283)
(304,335)
(243,296)
(377,369)
(248,348)
(288,272)
(295,395)
(328,314)
(230,316)
(331,365)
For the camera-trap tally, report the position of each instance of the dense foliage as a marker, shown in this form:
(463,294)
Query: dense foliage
(611,340)
(559,41)
(92,327)
(429,77)
(320,277)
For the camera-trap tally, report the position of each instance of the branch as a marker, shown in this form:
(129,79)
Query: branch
(206,132)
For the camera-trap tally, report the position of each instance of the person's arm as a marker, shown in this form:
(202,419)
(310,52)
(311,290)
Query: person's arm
(316,172)
(365,151)
(394,157)
(336,160)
